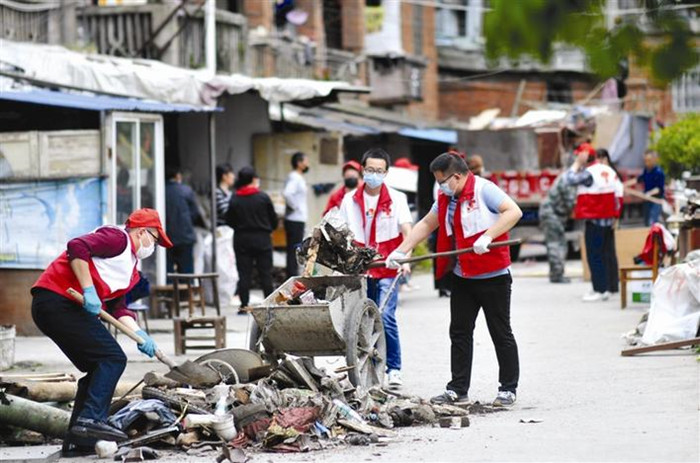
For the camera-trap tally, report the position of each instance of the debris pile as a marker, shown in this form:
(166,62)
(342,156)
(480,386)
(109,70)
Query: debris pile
(331,244)
(294,407)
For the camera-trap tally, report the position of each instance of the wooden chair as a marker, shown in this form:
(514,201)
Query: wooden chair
(193,286)
(625,272)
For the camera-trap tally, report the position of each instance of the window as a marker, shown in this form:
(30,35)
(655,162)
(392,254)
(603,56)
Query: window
(686,92)
(459,22)
(417,28)
(559,91)
(333,24)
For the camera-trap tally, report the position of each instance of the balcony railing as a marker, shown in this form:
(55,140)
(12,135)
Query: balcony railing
(282,57)
(158,32)
(30,23)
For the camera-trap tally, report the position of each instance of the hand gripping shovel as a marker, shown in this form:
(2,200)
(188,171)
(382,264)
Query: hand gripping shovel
(189,372)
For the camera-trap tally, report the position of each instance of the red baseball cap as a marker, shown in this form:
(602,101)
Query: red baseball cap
(585,147)
(352,165)
(149,218)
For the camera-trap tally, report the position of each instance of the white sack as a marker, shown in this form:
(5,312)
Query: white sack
(675,305)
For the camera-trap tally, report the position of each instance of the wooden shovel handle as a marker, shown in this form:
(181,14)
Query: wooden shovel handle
(108,318)
(123,328)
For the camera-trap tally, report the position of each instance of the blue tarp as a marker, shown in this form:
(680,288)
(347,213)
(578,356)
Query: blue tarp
(439,135)
(91,102)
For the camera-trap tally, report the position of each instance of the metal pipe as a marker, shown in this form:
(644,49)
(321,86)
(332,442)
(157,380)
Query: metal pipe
(210,36)
(212,175)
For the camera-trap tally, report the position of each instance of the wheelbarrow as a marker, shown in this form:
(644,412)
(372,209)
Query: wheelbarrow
(342,321)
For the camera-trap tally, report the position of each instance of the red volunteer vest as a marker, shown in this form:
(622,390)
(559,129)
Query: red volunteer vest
(59,276)
(470,264)
(336,199)
(601,200)
(384,248)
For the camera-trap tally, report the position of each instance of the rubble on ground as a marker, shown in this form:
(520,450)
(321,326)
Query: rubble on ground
(296,407)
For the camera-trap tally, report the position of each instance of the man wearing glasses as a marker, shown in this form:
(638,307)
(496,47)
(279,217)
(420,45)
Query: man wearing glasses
(379,217)
(471,211)
(104,265)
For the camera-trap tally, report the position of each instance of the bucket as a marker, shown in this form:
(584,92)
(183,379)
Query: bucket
(7,346)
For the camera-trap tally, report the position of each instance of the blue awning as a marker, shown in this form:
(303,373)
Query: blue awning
(92,102)
(438,135)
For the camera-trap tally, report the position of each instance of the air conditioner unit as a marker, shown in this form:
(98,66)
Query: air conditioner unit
(395,79)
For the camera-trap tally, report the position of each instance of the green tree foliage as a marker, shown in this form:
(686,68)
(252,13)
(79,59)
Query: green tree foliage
(666,47)
(679,146)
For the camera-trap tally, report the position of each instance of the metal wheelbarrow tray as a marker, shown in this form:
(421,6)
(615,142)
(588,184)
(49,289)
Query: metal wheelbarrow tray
(347,324)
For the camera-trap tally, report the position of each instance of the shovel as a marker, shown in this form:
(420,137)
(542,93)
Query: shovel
(408,260)
(188,373)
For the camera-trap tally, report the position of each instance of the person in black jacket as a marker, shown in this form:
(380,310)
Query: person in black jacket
(181,215)
(253,218)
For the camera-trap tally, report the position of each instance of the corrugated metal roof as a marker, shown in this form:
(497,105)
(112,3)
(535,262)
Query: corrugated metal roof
(439,135)
(92,102)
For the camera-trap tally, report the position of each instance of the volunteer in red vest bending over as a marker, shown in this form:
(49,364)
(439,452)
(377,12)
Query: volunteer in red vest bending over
(471,211)
(379,217)
(101,265)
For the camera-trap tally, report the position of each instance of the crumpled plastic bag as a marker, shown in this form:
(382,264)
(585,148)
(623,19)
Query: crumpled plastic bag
(675,304)
(151,408)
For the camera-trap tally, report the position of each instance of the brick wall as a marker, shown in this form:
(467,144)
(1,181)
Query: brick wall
(427,109)
(353,17)
(259,13)
(460,100)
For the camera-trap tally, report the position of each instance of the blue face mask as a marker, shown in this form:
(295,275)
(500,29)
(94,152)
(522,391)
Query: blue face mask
(373,180)
(446,190)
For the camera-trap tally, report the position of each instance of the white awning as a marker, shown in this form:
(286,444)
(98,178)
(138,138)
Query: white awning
(150,79)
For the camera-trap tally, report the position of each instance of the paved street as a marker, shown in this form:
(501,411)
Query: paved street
(594,404)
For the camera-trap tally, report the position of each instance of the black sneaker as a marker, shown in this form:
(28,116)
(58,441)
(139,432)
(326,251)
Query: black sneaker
(560,280)
(450,398)
(69,450)
(85,427)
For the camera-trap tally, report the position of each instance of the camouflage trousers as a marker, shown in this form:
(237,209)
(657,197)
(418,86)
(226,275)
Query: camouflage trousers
(555,240)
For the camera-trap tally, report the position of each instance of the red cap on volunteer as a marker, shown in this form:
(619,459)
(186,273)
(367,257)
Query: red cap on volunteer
(352,165)
(149,218)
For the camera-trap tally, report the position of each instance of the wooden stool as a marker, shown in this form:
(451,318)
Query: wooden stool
(141,311)
(181,326)
(193,283)
(162,294)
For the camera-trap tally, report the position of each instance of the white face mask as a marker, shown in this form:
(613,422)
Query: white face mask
(145,252)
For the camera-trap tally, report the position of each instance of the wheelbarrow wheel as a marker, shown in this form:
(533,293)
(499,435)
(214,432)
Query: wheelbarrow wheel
(365,345)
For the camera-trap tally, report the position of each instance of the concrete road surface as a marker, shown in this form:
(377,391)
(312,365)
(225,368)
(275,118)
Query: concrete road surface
(594,405)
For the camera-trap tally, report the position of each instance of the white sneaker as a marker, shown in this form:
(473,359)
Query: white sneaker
(394,380)
(594,297)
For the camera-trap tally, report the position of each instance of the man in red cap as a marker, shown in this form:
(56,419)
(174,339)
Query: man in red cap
(598,203)
(103,264)
(351,180)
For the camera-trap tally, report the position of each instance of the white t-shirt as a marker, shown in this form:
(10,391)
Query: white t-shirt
(403,213)
(295,195)
(370,211)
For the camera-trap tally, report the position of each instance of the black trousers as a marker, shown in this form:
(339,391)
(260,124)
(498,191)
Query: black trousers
(467,298)
(294,232)
(181,256)
(248,257)
(88,345)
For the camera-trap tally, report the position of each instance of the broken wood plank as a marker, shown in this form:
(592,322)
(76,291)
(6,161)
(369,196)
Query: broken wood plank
(366,428)
(296,368)
(47,391)
(35,416)
(659,347)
